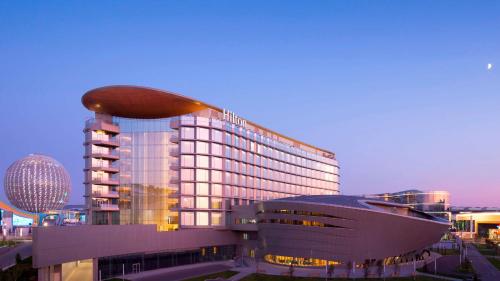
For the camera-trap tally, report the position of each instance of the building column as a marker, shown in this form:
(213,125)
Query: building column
(95,269)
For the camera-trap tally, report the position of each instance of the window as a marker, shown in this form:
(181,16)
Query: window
(216,218)
(216,149)
(187,218)
(202,218)
(187,132)
(202,147)
(202,161)
(216,176)
(187,174)
(201,175)
(227,152)
(187,202)
(216,135)
(216,163)
(187,161)
(187,188)
(216,203)
(202,189)
(187,147)
(202,134)
(217,189)
(201,202)
(228,139)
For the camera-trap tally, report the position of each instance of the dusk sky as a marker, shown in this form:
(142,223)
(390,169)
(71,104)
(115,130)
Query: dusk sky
(399,90)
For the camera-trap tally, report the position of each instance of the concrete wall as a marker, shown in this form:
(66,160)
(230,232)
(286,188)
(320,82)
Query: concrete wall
(56,245)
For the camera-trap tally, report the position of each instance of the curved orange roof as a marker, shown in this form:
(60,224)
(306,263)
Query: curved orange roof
(148,103)
(139,102)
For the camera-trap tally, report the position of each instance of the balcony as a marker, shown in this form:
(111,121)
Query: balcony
(101,125)
(105,207)
(174,152)
(101,181)
(174,180)
(174,123)
(101,155)
(174,138)
(105,194)
(109,169)
(112,142)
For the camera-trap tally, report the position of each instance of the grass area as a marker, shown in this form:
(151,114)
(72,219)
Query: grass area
(447,252)
(263,277)
(486,250)
(223,274)
(8,243)
(495,262)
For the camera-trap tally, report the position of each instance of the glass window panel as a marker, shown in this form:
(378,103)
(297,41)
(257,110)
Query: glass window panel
(216,218)
(187,160)
(202,147)
(187,147)
(187,218)
(202,218)
(201,175)
(216,135)
(217,189)
(201,202)
(216,203)
(216,149)
(217,163)
(187,174)
(187,188)
(216,176)
(202,189)
(187,132)
(202,133)
(202,161)
(187,202)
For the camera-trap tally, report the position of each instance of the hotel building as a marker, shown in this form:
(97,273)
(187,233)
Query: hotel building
(154,157)
(179,182)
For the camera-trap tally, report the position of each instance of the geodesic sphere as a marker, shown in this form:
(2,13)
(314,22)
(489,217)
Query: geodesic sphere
(37,183)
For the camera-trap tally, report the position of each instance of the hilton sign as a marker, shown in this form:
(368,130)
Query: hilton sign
(233,118)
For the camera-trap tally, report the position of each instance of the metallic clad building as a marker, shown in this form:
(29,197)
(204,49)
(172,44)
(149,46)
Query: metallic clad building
(155,157)
(37,183)
(311,230)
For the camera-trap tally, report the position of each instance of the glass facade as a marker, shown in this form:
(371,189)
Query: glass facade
(436,203)
(148,188)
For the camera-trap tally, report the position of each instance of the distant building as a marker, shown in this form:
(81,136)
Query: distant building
(15,223)
(436,203)
(475,222)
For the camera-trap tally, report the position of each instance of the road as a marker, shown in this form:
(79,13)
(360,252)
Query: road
(485,270)
(8,258)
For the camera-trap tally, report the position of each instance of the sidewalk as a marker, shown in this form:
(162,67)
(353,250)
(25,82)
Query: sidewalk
(485,270)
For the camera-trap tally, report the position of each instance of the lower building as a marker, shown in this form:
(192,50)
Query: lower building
(15,223)
(476,222)
(303,230)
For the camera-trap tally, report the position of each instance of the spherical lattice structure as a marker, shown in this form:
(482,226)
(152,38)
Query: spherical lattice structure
(37,183)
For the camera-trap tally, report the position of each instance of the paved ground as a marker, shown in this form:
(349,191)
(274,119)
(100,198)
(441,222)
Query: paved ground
(178,274)
(8,258)
(485,270)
